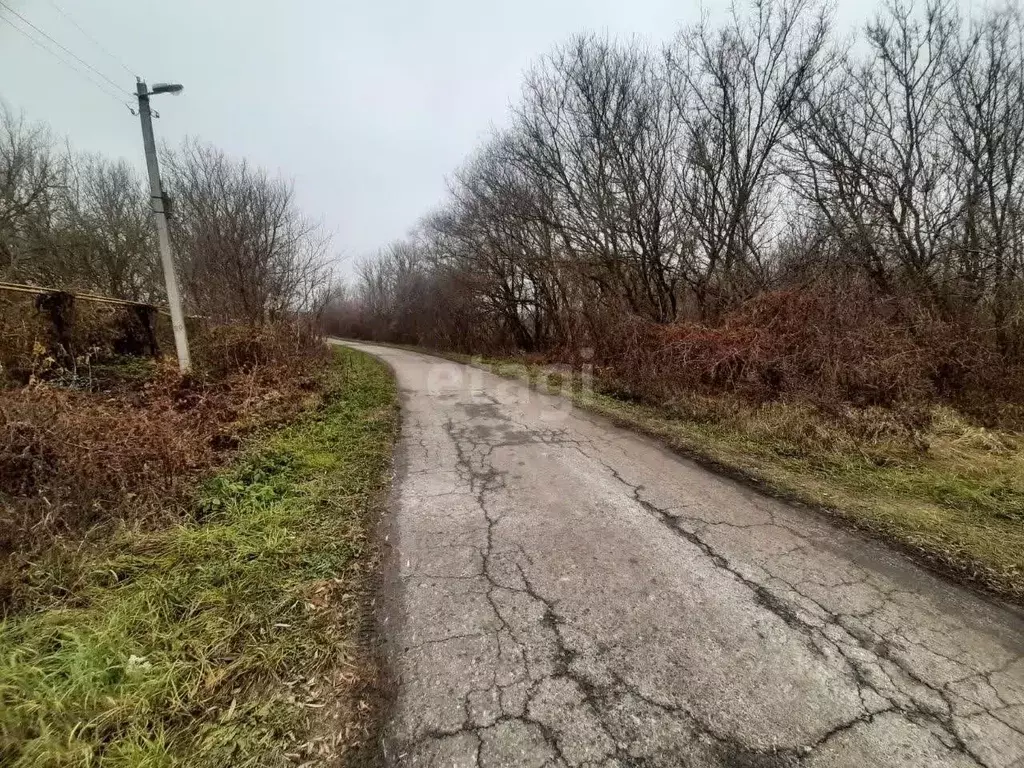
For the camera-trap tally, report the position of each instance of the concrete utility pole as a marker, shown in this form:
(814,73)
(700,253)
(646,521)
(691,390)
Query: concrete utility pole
(156,194)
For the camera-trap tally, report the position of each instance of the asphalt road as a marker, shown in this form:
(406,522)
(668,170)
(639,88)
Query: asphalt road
(560,592)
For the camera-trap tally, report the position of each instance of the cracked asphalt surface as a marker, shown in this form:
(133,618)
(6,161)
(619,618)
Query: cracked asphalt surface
(561,592)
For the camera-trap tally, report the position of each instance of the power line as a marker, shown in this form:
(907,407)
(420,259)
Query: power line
(70,53)
(92,39)
(102,88)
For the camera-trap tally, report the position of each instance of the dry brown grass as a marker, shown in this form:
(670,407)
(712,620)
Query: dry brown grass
(127,445)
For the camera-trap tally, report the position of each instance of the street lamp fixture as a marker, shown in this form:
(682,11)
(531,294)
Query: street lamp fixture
(172,88)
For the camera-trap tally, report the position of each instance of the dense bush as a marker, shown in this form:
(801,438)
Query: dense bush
(822,344)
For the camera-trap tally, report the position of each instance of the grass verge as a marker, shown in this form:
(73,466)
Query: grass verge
(951,495)
(234,638)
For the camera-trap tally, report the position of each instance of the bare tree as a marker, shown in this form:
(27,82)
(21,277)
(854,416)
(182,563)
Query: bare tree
(245,250)
(873,153)
(72,221)
(496,240)
(597,139)
(104,235)
(735,88)
(31,175)
(985,121)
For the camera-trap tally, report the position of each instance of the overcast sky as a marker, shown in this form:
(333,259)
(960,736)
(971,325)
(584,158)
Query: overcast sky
(367,105)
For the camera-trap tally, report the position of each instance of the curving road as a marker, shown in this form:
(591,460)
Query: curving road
(560,592)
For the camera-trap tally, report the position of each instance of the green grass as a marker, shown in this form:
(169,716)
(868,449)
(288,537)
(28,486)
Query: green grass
(222,641)
(952,494)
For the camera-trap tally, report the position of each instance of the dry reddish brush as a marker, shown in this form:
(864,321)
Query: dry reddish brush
(824,344)
(73,459)
(69,459)
(235,348)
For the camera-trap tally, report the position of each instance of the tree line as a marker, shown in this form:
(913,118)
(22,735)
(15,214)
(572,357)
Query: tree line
(77,221)
(763,152)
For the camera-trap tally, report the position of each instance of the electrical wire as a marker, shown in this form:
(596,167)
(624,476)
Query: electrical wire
(70,53)
(102,88)
(92,39)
